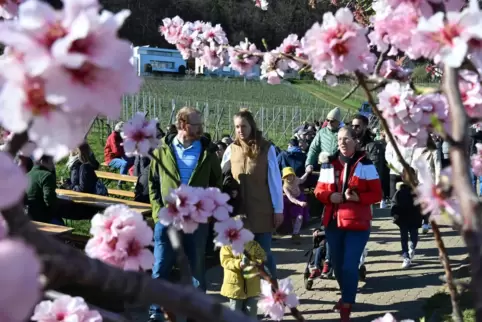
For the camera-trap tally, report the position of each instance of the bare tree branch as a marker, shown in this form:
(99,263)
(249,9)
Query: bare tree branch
(353,90)
(470,206)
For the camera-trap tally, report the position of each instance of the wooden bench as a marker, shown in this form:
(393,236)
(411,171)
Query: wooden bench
(118,192)
(52,229)
(115,176)
(102,202)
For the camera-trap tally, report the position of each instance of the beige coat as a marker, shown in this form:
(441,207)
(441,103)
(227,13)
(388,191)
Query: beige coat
(252,176)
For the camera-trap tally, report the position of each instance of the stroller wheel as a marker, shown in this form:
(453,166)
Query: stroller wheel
(308,284)
(362,272)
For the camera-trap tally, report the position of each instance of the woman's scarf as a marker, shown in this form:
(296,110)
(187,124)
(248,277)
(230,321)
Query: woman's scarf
(72,159)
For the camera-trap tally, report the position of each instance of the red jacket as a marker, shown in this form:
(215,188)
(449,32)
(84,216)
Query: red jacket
(113,148)
(363,179)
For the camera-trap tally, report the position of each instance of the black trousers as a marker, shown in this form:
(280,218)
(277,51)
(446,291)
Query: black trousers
(394,179)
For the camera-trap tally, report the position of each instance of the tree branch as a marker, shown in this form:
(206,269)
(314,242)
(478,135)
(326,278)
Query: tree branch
(412,179)
(353,90)
(470,206)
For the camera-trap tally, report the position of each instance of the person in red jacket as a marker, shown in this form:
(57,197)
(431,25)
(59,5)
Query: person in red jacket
(114,155)
(348,185)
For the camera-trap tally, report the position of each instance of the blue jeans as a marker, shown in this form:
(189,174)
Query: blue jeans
(264,240)
(165,258)
(123,164)
(318,258)
(328,252)
(346,250)
(405,231)
(201,238)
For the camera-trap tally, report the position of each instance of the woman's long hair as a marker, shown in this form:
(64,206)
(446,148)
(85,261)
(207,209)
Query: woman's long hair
(84,152)
(252,146)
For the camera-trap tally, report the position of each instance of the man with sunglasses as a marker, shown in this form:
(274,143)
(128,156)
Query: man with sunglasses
(326,140)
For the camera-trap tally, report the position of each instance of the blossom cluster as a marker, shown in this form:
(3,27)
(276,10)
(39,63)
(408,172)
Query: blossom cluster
(339,45)
(140,135)
(187,207)
(120,237)
(410,116)
(273,303)
(65,308)
(431,195)
(58,72)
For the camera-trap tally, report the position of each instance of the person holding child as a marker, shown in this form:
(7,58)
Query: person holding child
(241,284)
(408,217)
(295,201)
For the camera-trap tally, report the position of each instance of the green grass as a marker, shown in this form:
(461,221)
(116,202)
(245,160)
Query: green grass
(440,304)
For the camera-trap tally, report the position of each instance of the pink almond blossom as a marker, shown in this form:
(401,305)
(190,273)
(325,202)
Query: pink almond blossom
(445,37)
(140,135)
(14,181)
(429,195)
(181,209)
(273,303)
(471,92)
(337,45)
(476,160)
(222,209)
(9,8)
(120,237)
(262,4)
(230,232)
(243,57)
(171,29)
(21,289)
(65,308)
(394,27)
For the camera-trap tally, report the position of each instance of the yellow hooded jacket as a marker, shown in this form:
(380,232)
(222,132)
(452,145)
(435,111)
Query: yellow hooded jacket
(235,286)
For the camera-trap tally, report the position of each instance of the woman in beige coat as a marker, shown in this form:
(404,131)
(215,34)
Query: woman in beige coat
(251,162)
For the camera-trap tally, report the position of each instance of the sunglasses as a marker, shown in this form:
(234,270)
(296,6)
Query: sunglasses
(331,121)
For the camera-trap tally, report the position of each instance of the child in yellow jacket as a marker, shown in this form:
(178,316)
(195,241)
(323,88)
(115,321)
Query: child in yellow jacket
(242,290)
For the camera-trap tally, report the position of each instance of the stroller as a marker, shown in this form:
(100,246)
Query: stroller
(319,242)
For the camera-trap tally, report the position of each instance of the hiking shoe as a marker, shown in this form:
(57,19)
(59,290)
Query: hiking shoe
(314,274)
(406,263)
(326,270)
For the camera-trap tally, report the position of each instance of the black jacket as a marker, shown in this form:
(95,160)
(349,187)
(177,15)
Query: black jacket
(141,170)
(229,186)
(83,177)
(294,159)
(404,211)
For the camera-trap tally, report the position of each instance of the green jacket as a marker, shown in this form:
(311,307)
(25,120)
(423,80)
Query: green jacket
(41,197)
(164,176)
(324,141)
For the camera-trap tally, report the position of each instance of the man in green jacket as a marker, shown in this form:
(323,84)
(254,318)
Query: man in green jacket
(41,199)
(185,158)
(326,138)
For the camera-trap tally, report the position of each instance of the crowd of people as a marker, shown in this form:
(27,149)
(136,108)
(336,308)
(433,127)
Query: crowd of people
(350,166)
